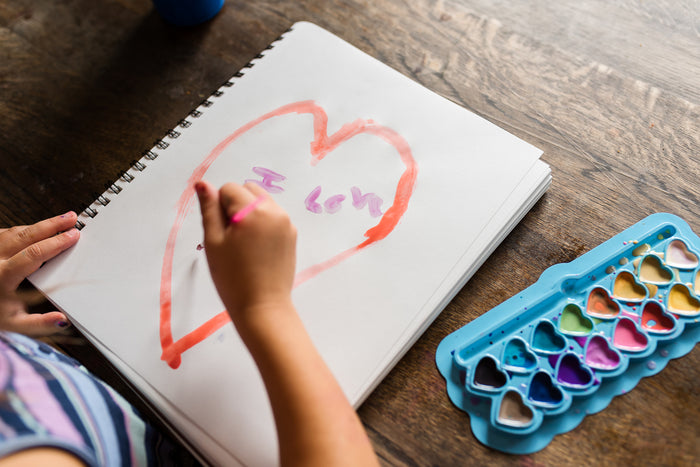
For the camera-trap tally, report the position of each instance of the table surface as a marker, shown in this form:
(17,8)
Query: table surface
(609,89)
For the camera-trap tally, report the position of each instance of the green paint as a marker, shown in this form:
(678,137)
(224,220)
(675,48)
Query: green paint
(573,322)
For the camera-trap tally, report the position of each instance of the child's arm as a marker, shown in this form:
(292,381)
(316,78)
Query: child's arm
(252,262)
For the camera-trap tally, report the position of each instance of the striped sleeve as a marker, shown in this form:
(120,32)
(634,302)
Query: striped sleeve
(49,400)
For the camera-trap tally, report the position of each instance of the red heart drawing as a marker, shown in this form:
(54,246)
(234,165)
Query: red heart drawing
(320,147)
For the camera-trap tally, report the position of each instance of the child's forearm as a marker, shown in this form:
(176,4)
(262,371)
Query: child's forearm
(316,424)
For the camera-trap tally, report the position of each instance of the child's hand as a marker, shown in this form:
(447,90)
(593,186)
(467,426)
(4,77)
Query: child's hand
(252,260)
(22,250)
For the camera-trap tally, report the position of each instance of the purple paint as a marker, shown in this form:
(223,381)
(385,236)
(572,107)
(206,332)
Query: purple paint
(599,354)
(359,201)
(268,177)
(553,359)
(310,201)
(581,340)
(334,203)
(572,372)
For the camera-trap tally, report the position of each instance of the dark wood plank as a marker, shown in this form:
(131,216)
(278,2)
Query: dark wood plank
(608,89)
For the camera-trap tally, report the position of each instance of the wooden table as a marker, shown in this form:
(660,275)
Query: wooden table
(609,89)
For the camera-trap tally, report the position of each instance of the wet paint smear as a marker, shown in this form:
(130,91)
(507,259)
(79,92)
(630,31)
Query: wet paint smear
(641,249)
(321,146)
(572,372)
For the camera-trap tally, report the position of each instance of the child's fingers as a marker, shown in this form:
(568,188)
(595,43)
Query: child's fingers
(37,325)
(15,269)
(210,206)
(16,239)
(235,198)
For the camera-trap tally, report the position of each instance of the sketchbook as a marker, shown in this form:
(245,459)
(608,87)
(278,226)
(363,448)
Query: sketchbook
(398,195)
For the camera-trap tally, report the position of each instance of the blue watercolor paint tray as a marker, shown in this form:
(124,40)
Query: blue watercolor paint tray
(586,331)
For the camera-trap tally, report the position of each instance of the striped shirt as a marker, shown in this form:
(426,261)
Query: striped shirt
(50,400)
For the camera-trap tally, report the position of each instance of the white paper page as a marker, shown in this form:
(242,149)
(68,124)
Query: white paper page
(362,310)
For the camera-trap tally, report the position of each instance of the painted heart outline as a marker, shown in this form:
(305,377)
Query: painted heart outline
(320,147)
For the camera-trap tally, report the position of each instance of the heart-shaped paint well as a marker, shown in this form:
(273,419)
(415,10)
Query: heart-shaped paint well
(627,337)
(681,301)
(487,376)
(679,256)
(573,322)
(514,412)
(321,146)
(652,270)
(627,288)
(546,338)
(600,305)
(572,373)
(543,391)
(600,355)
(517,357)
(655,319)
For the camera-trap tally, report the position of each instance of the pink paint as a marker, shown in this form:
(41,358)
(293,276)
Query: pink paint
(629,314)
(627,337)
(240,215)
(320,147)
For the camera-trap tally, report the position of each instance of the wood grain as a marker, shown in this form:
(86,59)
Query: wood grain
(610,90)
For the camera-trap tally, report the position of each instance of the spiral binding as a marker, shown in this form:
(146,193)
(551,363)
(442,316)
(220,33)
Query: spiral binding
(161,144)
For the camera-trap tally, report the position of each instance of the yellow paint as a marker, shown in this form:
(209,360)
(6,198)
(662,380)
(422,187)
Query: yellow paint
(641,249)
(681,302)
(651,270)
(627,288)
(652,289)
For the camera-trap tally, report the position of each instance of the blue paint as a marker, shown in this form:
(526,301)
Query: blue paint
(517,357)
(544,391)
(546,338)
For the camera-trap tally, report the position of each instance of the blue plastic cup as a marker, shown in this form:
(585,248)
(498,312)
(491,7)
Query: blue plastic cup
(187,12)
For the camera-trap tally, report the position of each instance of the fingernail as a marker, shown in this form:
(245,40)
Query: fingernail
(68,214)
(199,187)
